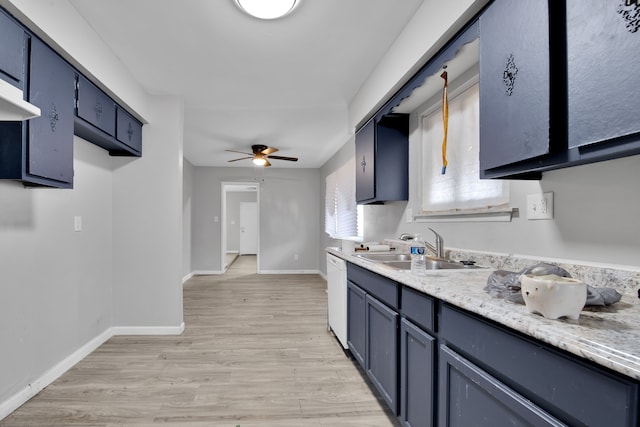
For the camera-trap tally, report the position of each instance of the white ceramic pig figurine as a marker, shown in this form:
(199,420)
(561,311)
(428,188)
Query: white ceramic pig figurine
(553,296)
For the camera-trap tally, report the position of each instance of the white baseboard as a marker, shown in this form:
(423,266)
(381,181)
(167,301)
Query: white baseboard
(148,330)
(187,277)
(289,272)
(206,272)
(17,400)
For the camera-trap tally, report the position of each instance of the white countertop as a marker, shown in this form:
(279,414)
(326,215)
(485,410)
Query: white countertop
(608,336)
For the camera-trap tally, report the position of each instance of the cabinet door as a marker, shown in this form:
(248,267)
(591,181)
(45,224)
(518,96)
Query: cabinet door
(603,40)
(381,360)
(50,139)
(417,394)
(365,162)
(471,397)
(129,130)
(11,51)
(514,82)
(356,330)
(96,107)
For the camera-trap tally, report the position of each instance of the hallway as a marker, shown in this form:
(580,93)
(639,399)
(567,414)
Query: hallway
(255,352)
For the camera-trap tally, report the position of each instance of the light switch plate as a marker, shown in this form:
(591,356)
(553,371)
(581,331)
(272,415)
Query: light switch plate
(540,206)
(77,223)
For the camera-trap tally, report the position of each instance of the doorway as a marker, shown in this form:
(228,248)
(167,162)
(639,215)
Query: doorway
(240,223)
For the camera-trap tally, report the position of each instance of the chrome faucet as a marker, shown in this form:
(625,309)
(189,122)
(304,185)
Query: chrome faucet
(437,249)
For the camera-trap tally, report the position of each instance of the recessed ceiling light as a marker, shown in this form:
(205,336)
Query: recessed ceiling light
(267,9)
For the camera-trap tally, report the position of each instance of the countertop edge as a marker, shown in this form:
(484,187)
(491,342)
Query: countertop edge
(608,336)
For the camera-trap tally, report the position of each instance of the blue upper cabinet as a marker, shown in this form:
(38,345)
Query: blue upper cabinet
(382,160)
(555,86)
(603,41)
(12,48)
(129,130)
(515,82)
(50,135)
(102,122)
(39,151)
(96,107)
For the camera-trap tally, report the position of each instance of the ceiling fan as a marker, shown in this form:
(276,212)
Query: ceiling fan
(260,155)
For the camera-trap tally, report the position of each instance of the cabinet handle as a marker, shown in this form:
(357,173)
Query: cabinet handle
(630,12)
(53,117)
(130,131)
(509,74)
(98,109)
(363,163)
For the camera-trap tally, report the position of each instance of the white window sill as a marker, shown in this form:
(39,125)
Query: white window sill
(501,214)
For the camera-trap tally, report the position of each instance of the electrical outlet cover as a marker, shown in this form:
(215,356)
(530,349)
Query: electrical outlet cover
(540,206)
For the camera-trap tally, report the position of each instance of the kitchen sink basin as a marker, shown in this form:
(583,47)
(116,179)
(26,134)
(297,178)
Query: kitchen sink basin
(403,262)
(385,257)
(432,264)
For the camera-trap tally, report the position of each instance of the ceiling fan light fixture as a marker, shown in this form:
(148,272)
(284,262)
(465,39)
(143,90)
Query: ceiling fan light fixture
(267,9)
(259,161)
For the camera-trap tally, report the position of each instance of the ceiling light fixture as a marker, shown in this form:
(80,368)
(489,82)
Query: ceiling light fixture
(259,161)
(267,9)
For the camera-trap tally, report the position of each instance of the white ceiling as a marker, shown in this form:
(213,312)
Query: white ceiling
(285,83)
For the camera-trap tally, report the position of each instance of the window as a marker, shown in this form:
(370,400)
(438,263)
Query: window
(343,216)
(460,190)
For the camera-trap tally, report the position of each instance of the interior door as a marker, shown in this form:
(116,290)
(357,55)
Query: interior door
(248,228)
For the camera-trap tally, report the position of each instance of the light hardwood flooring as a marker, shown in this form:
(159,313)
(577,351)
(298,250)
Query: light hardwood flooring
(255,352)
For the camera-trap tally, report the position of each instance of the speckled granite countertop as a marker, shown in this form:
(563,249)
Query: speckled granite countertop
(608,336)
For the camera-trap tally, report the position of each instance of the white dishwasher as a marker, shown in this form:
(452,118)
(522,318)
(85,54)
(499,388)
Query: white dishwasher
(337,297)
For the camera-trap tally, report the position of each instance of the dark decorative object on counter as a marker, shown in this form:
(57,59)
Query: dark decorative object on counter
(506,284)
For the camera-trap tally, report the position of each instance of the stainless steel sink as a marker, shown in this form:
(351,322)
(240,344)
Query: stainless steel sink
(432,264)
(384,257)
(403,262)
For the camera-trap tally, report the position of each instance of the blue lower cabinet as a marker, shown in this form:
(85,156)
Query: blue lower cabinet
(471,397)
(381,361)
(356,328)
(417,367)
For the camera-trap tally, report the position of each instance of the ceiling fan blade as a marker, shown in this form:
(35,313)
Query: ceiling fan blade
(290,159)
(266,163)
(269,150)
(241,158)
(241,152)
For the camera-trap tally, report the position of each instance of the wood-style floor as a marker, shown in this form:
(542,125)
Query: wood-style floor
(255,352)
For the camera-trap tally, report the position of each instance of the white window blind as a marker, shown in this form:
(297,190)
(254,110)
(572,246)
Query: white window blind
(461,187)
(342,214)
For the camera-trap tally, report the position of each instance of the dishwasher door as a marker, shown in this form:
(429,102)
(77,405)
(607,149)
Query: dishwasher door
(337,297)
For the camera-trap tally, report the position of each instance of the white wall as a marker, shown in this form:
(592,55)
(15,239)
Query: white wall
(187,216)
(60,290)
(55,284)
(596,208)
(289,217)
(147,225)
